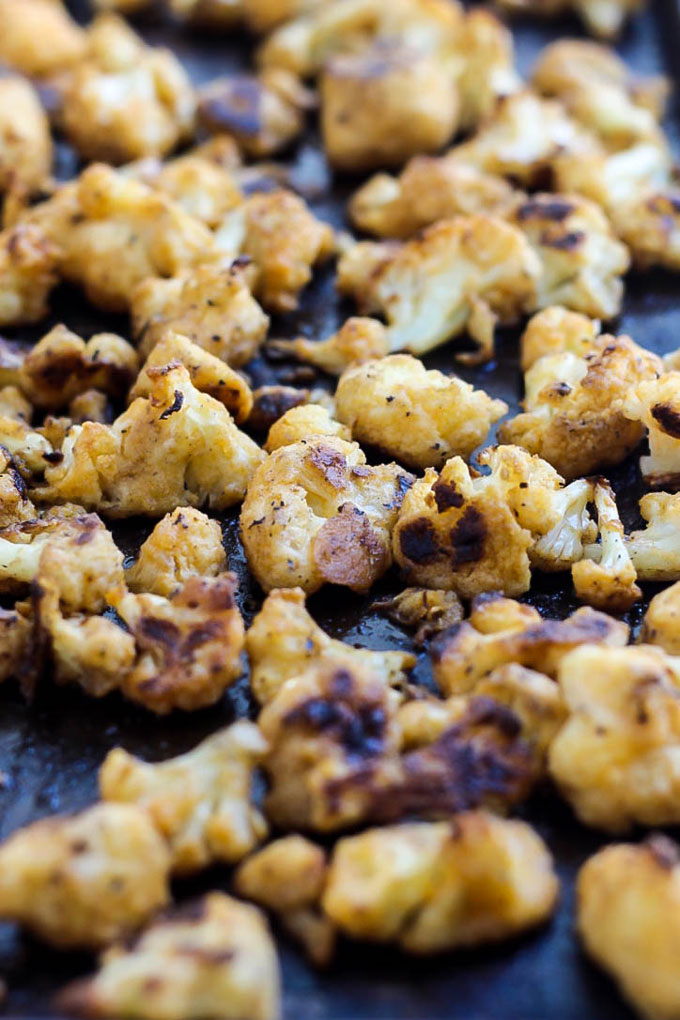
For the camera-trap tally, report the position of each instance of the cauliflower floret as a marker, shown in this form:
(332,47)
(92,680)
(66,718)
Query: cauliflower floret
(618,181)
(214,960)
(264,113)
(555,330)
(25,141)
(485,54)
(303,422)
(628,898)
(85,880)
(17,645)
(29,449)
(358,339)
(270,403)
(654,549)
(459,274)
(28,274)
(606,579)
(39,37)
(603,18)
(430,887)
(420,417)
(15,504)
(177,447)
(563,545)
(211,305)
(315,512)
(200,801)
(284,641)
(501,631)
(429,188)
(203,186)
(208,373)
(426,610)
(578,407)
(184,544)
(615,758)
(655,403)
(284,240)
(125,100)
(660,625)
(13,404)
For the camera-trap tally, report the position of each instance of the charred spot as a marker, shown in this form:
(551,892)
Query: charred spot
(554,209)
(665,851)
(201,635)
(446,495)
(235,108)
(241,262)
(271,402)
(162,632)
(570,241)
(55,457)
(331,463)
(210,957)
(468,536)
(560,389)
(418,541)
(18,482)
(359,729)
(668,419)
(403,484)
(174,406)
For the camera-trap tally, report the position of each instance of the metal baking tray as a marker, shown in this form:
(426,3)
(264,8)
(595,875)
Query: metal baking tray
(50,750)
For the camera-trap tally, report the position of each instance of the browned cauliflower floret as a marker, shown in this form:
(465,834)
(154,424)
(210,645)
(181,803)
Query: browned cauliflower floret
(500,631)
(420,417)
(430,887)
(459,274)
(654,549)
(85,880)
(213,960)
(125,100)
(615,758)
(358,340)
(628,899)
(203,186)
(303,422)
(177,447)
(283,641)
(606,578)
(38,37)
(603,18)
(578,407)
(555,330)
(184,544)
(91,405)
(429,188)
(426,610)
(660,625)
(15,504)
(211,305)
(264,113)
(29,449)
(655,403)
(208,373)
(201,801)
(270,403)
(28,274)
(315,512)
(25,142)
(284,240)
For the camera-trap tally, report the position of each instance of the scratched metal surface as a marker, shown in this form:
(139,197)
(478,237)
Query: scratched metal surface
(50,751)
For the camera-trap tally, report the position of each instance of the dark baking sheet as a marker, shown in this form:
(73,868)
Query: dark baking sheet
(50,751)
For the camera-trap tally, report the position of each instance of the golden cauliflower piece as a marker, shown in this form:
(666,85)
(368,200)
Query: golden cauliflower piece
(655,403)
(200,801)
(358,340)
(653,549)
(262,16)
(17,645)
(302,422)
(615,758)
(429,188)
(284,641)
(500,631)
(417,416)
(429,887)
(214,960)
(315,512)
(28,274)
(184,544)
(211,305)
(425,610)
(627,907)
(460,274)
(555,330)
(199,182)
(660,625)
(29,449)
(606,577)
(578,406)
(284,240)
(39,37)
(84,881)
(264,112)
(177,447)
(25,141)
(15,504)
(125,100)
(603,18)
(208,373)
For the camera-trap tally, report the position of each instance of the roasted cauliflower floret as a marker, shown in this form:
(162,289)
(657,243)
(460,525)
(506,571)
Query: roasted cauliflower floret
(358,340)
(85,880)
(429,887)
(464,273)
(660,625)
(29,449)
(301,423)
(25,141)
(214,960)
(284,641)
(615,758)
(208,373)
(184,544)
(28,274)
(204,187)
(270,403)
(316,513)
(425,610)
(578,407)
(201,801)
(606,578)
(654,549)
(628,898)
(211,305)
(283,239)
(419,417)
(500,631)
(556,330)
(126,100)
(15,504)
(655,403)
(429,188)
(17,645)
(39,37)
(264,113)
(177,447)
(603,18)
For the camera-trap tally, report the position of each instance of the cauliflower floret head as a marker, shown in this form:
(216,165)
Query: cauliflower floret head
(655,403)
(555,330)
(28,274)
(654,549)
(303,422)
(25,141)
(660,625)
(359,339)
(608,581)
(39,37)
(184,544)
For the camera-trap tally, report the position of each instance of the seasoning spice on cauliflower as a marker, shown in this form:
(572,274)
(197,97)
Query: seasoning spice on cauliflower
(39,37)
(606,578)
(213,960)
(358,340)
(177,447)
(85,880)
(25,141)
(614,759)
(28,274)
(284,641)
(653,549)
(184,544)
(200,801)
(419,417)
(628,898)
(315,512)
